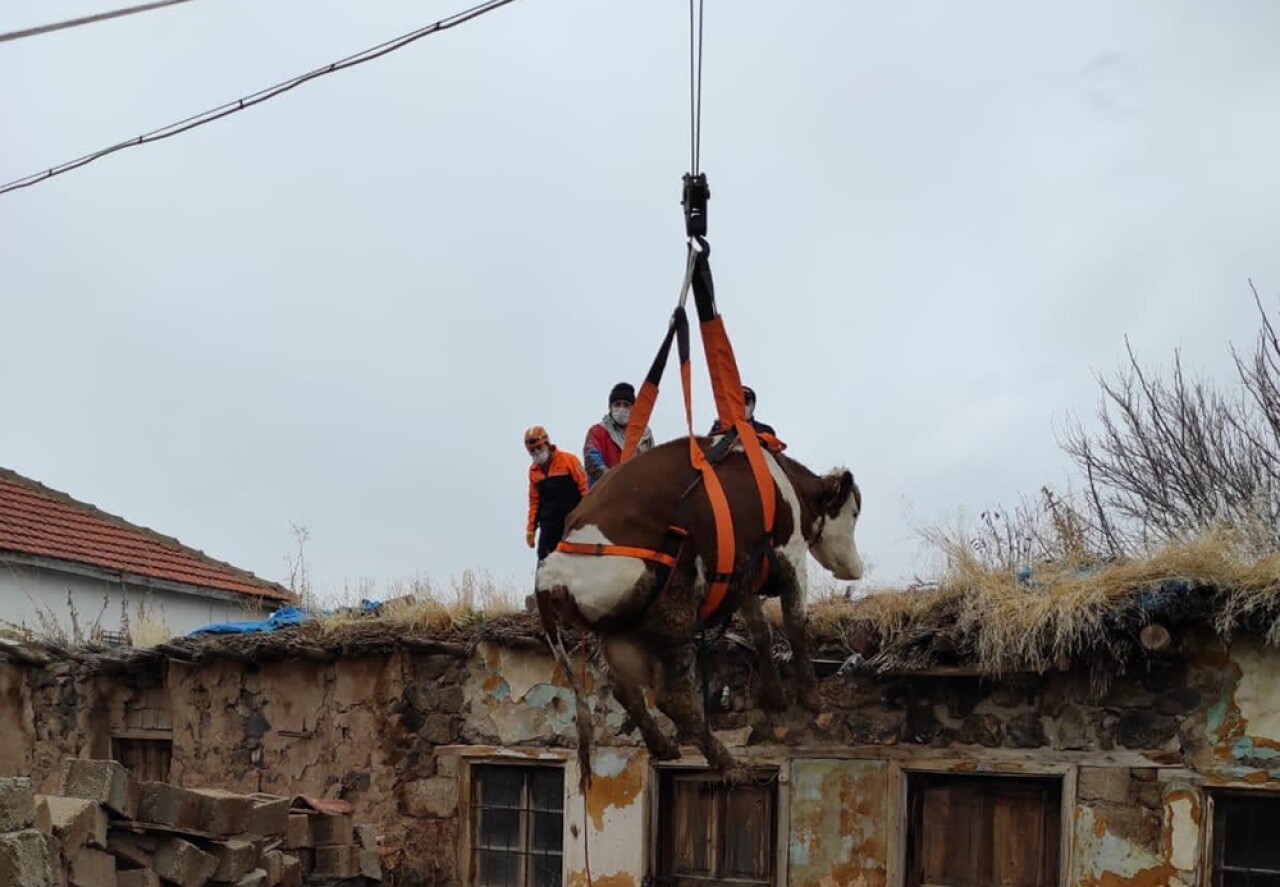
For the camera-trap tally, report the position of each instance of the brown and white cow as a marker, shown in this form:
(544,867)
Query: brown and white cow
(648,639)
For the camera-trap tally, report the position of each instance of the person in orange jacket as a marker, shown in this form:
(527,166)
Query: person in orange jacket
(557,484)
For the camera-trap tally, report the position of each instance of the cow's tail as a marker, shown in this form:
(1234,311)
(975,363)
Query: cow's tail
(582,715)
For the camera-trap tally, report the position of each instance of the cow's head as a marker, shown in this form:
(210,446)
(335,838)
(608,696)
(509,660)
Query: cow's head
(838,508)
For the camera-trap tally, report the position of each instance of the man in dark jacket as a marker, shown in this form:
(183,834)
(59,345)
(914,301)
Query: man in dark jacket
(557,484)
(749,397)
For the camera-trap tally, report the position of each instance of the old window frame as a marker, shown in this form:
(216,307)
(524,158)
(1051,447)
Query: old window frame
(777,770)
(470,757)
(158,740)
(1210,846)
(900,772)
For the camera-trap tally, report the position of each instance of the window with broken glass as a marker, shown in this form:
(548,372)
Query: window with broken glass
(1245,850)
(710,832)
(518,826)
(983,831)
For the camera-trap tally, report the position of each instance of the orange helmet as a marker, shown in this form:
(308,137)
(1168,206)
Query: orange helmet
(535,437)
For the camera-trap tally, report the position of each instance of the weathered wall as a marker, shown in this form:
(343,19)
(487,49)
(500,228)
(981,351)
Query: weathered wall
(36,599)
(840,815)
(394,732)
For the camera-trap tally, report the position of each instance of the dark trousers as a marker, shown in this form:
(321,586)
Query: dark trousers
(549,533)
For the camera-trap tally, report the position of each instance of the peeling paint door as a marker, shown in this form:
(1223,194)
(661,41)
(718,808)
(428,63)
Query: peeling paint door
(711,833)
(976,831)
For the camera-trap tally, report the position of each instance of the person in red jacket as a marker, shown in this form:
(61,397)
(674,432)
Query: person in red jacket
(605,439)
(557,484)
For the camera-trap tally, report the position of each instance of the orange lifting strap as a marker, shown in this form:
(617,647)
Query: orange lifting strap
(727,388)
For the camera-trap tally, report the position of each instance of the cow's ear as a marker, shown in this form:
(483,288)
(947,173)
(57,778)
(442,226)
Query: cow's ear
(838,488)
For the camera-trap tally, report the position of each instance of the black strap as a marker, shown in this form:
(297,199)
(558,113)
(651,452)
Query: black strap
(702,283)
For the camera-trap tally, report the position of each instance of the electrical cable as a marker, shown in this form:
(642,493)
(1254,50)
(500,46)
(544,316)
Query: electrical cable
(87,20)
(260,96)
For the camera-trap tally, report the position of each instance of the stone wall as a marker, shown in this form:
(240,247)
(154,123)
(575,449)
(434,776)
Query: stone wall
(392,733)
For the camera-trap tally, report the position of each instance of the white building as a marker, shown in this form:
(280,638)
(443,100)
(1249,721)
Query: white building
(71,571)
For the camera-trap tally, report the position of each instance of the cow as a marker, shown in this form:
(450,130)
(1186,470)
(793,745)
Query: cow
(647,632)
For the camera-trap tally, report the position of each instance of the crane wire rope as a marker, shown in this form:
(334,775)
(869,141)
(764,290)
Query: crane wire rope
(695,84)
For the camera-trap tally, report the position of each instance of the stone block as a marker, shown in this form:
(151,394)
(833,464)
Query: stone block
(1143,730)
(437,796)
(1103,784)
(447,765)
(328,829)
(27,858)
(366,836)
(106,782)
(183,863)
(291,871)
(17,803)
(437,729)
(77,823)
(235,859)
(272,862)
(43,820)
(370,865)
(1025,731)
(269,817)
(91,868)
(255,878)
(223,813)
(337,861)
(137,878)
(298,834)
(171,805)
(137,850)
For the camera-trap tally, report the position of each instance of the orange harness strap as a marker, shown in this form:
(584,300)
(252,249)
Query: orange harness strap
(599,549)
(718,582)
(727,388)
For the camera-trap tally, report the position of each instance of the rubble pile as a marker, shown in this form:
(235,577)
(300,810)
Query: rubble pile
(105,829)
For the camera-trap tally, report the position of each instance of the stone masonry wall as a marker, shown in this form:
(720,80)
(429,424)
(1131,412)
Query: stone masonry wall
(369,729)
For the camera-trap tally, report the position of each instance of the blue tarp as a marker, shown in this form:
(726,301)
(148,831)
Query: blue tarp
(285,617)
(282,618)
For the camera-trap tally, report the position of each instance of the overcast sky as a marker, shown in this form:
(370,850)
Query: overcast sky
(932,224)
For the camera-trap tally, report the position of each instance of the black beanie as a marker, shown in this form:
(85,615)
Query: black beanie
(622,391)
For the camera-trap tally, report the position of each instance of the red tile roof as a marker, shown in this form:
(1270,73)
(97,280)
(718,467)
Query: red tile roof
(38,521)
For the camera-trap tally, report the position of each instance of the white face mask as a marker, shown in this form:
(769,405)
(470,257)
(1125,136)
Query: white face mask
(620,414)
(542,455)
(751,410)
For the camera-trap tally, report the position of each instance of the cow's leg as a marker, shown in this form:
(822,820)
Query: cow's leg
(632,671)
(772,696)
(791,587)
(679,699)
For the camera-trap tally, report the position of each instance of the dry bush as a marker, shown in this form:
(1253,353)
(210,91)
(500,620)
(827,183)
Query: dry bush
(421,608)
(148,627)
(1006,620)
(1175,455)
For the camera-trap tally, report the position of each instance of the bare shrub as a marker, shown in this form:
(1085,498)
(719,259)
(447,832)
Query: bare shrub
(1174,455)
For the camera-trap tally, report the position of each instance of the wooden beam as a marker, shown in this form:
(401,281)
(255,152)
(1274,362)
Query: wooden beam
(1155,637)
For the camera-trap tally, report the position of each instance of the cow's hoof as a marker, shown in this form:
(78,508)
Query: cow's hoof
(773,698)
(665,751)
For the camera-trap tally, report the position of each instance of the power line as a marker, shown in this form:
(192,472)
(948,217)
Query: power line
(261,95)
(87,20)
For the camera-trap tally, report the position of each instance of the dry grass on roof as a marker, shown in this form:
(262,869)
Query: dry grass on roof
(1004,620)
